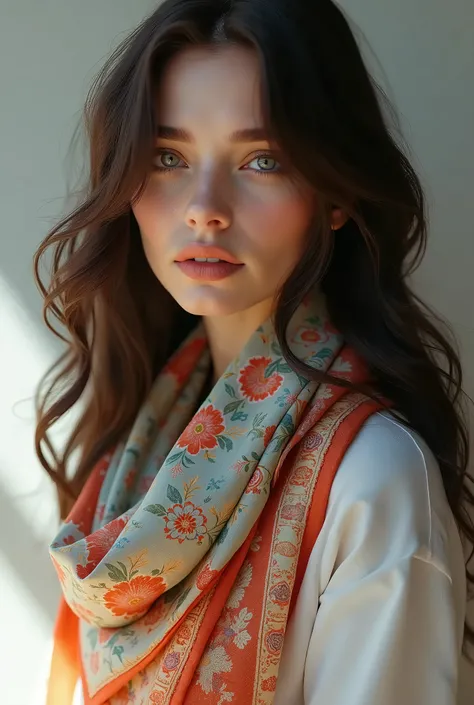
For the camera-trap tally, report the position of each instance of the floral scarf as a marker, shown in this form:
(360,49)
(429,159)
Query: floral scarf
(183,556)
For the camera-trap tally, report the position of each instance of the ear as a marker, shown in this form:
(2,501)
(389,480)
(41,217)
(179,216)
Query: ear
(338,218)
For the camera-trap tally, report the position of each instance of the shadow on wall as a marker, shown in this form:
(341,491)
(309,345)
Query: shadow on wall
(26,554)
(28,515)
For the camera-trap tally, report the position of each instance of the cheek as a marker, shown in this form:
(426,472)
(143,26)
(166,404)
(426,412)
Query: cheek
(148,211)
(153,222)
(279,227)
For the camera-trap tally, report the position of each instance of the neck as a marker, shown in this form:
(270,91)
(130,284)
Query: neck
(227,335)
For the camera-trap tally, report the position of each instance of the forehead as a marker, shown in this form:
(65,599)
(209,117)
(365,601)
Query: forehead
(211,89)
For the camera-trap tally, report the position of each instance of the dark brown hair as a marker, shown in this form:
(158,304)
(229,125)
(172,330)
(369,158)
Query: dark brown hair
(326,114)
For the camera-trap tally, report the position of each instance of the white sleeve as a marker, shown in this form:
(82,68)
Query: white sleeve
(387,627)
(393,631)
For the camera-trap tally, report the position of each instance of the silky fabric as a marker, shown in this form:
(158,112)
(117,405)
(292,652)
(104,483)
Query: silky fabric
(388,563)
(201,517)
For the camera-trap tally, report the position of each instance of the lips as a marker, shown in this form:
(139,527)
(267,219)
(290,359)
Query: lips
(207,263)
(208,271)
(206,252)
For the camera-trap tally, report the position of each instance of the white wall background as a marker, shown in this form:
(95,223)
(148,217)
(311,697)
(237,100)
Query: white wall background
(49,52)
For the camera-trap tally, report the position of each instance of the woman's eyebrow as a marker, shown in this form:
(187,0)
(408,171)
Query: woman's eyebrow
(250,134)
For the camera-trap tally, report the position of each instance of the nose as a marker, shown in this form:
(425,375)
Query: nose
(199,217)
(207,212)
(200,220)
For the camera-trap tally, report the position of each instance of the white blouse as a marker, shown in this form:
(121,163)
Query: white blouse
(380,614)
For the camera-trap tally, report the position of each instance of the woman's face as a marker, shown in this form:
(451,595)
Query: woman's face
(215,185)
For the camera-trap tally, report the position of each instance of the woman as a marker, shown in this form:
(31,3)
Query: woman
(269,488)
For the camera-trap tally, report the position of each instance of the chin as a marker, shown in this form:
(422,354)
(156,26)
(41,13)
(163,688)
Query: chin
(212,304)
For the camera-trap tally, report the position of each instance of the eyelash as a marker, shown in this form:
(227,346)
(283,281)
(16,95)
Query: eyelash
(166,169)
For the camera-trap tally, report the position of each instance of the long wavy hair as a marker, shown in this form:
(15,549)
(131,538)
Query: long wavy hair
(326,113)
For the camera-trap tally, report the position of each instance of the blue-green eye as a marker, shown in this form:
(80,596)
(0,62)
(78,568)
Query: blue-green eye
(164,161)
(266,165)
(169,159)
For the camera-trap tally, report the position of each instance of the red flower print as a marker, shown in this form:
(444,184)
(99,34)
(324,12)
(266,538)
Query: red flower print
(184,635)
(171,662)
(201,432)
(268,435)
(286,548)
(312,441)
(68,540)
(274,641)
(135,596)
(239,465)
(205,577)
(157,697)
(253,383)
(302,476)
(184,360)
(310,336)
(101,541)
(255,481)
(281,593)
(293,512)
(269,684)
(185,521)
(154,614)
(83,571)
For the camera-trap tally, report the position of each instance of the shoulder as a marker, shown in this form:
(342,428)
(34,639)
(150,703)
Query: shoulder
(388,499)
(386,456)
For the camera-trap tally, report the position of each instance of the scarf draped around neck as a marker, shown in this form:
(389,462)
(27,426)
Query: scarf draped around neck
(182,557)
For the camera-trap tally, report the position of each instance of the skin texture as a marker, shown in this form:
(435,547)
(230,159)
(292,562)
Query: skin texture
(218,192)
